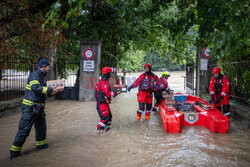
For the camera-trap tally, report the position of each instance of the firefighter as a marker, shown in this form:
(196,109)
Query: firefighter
(161,85)
(33,103)
(146,82)
(219,91)
(103,98)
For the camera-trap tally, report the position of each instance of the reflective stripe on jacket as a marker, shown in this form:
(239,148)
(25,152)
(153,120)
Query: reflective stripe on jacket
(146,82)
(220,86)
(36,90)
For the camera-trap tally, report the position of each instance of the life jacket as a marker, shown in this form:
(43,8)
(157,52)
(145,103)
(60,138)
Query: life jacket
(99,94)
(161,83)
(147,84)
(218,84)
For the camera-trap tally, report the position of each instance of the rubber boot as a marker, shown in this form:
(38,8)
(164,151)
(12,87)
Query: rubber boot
(43,146)
(147,116)
(138,115)
(108,126)
(14,154)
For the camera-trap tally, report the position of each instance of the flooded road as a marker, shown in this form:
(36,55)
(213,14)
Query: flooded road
(73,141)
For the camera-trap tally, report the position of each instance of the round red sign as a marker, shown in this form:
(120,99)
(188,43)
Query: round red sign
(88,53)
(206,52)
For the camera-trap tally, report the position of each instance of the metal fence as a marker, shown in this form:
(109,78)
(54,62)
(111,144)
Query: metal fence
(13,77)
(190,78)
(15,72)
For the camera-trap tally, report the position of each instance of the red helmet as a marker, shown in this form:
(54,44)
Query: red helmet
(147,65)
(216,70)
(106,70)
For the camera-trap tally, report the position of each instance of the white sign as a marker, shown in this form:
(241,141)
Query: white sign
(88,65)
(204,64)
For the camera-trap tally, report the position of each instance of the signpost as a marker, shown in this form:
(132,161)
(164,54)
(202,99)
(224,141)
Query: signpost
(89,68)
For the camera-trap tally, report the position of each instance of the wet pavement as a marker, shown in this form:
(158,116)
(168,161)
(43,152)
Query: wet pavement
(73,141)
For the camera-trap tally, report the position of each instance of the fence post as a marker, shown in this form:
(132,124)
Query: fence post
(197,87)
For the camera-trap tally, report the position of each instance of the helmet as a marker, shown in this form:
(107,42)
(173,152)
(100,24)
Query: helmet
(147,65)
(43,63)
(216,70)
(165,73)
(106,70)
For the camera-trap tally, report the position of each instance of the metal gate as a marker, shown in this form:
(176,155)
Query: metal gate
(190,78)
(68,70)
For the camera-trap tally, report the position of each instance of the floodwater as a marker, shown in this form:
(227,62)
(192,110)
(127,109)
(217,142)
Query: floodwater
(73,141)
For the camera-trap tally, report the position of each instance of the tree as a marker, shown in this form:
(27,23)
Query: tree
(21,32)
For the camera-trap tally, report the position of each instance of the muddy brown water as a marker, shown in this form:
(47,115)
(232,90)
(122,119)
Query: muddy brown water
(73,141)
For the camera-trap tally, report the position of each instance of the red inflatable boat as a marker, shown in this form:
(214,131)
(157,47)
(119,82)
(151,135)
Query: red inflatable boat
(188,110)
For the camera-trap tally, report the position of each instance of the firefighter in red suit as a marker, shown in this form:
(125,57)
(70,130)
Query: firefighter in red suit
(146,82)
(103,98)
(161,85)
(219,90)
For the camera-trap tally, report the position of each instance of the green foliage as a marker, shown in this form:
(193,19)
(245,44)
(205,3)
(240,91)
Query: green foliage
(132,61)
(117,24)
(21,33)
(224,26)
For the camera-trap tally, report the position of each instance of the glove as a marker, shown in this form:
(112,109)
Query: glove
(130,87)
(168,90)
(212,99)
(218,100)
(115,90)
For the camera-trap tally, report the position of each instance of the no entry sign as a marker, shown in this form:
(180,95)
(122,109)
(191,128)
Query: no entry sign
(88,53)
(206,52)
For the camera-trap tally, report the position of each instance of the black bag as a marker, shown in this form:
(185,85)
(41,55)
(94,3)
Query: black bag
(184,107)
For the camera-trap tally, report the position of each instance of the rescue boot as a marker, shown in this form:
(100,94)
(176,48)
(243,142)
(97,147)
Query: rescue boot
(14,154)
(147,116)
(108,126)
(43,146)
(100,130)
(154,109)
(100,127)
(138,115)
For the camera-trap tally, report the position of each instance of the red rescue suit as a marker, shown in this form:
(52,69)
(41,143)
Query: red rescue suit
(103,98)
(144,96)
(219,87)
(161,85)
